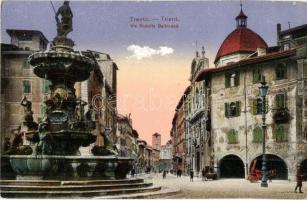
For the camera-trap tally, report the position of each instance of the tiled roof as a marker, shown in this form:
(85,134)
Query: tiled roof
(241,39)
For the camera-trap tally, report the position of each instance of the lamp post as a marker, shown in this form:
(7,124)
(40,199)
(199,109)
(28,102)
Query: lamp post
(263,88)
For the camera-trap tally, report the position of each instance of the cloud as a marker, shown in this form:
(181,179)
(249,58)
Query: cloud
(140,52)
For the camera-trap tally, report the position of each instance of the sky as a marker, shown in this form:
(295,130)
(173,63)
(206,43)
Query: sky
(154,62)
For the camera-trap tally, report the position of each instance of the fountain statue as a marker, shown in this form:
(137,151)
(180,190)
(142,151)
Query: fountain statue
(49,149)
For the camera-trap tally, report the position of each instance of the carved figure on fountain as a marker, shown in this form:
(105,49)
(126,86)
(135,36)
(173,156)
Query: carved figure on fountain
(28,114)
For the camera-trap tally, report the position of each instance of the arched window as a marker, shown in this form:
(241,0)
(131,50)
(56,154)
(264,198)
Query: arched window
(257,135)
(232,136)
(280,134)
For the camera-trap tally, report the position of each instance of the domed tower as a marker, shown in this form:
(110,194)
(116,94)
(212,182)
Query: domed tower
(239,44)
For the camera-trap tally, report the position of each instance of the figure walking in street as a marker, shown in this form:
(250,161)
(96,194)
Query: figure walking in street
(203,174)
(299,179)
(191,175)
(132,172)
(164,174)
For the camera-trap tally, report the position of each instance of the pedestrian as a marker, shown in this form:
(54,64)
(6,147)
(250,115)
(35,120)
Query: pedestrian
(164,174)
(299,179)
(203,174)
(191,175)
(132,172)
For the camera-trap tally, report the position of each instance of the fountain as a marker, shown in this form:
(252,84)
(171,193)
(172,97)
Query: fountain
(45,156)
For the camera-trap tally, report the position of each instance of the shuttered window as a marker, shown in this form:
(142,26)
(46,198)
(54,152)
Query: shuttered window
(280,134)
(281,100)
(232,79)
(257,106)
(26,86)
(25,64)
(281,72)
(257,135)
(232,136)
(256,75)
(45,87)
(233,109)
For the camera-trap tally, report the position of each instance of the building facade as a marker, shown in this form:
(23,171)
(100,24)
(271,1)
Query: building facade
(18,80)
(197,116)
(165,162)
(232,106)
(156,141)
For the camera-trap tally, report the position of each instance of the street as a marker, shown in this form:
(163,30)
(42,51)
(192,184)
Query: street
(228,188)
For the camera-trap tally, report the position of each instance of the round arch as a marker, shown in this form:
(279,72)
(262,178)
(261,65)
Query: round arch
(274,163)
(231,166)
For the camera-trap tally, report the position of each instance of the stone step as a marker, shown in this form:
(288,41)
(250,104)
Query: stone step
(72,182)
(73,187)
(77,193)
(163,193)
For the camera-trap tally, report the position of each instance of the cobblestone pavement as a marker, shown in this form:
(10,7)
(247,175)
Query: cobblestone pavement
(228,188)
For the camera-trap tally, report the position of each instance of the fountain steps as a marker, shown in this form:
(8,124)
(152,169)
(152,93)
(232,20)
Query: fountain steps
(77,192)
(73,187)
(73,182)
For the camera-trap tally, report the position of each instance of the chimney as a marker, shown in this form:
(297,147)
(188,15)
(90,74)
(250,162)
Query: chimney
(278,31)
(261,51)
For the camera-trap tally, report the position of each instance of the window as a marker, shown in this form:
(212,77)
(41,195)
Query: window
(233,109)
(257,106)
(46,84)
(232,137)
(26,86)
(26,64)
(25,37)
(286,46)
(281,101)
(256,75)
(281,72)
(257,135)
(232,79)
(280,134)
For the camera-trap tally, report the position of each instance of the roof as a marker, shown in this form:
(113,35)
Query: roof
(245,62)
(242,39)
(135,133)
(298,31)
(241,15)
(156,134)
(12,31)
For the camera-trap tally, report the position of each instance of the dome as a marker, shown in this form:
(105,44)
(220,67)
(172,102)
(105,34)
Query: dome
(241,40)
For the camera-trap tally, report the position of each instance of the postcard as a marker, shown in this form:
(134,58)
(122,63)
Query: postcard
(154,99)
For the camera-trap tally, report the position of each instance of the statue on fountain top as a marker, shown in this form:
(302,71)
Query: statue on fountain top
(65,25)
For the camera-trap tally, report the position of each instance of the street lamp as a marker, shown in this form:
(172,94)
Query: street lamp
(263,88)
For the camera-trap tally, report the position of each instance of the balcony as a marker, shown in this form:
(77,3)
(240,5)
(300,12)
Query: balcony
(281,115)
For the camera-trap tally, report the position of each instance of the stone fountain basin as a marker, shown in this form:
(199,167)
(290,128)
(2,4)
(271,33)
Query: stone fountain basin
(56,167)
(64,64)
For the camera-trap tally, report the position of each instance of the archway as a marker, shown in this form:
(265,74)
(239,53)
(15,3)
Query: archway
(231,166)
(273,163)
(304,168)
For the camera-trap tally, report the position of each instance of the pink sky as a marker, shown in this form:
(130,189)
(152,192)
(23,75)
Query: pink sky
(149,89)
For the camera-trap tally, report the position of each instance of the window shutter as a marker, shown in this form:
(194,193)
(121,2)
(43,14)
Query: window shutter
(254,106)
(238,108)
(285,101)
(277,101)
(266,105)
(237,79)
(226,109)
(227,80)
(25,64)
